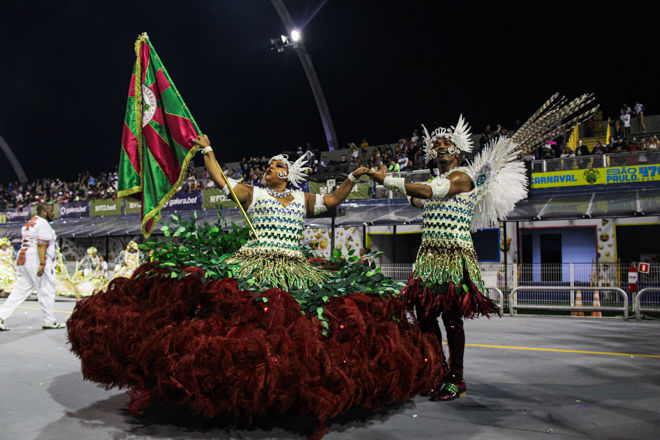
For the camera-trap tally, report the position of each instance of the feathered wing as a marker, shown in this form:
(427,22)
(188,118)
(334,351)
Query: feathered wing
(501,180)
(497,170)
(556,116)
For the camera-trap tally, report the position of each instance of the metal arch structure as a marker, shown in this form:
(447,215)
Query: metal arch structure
(306,61)
(13,161)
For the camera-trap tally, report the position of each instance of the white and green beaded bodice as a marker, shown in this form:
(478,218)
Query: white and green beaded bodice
(275,259)
(447,250)
(447,221)
(279,227)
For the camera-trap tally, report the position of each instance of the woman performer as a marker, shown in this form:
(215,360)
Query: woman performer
(89,276)
(7,269)
(320,342)
(275,259)
(63,284)
(128,260)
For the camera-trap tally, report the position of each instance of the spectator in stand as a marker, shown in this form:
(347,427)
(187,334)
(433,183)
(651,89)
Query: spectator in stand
(419,158)
(582,150)
(610,146)
(620,146)
(365,149)
(309,155)
(639,114)
(414,139)
(547,152)
(403,151)
(403,163)
(625,120)
(394,167)
(598,148)
(653,143)
(625,110)
(617,129)
(324,162)
(567,152)
(632,146)
(353,149)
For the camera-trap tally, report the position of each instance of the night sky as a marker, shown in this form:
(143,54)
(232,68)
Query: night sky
(385,67)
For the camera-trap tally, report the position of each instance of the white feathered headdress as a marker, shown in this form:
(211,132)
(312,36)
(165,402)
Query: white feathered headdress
(460,135)
(296,173)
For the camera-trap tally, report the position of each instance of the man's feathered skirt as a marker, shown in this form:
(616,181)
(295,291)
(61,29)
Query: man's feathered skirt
(448,278)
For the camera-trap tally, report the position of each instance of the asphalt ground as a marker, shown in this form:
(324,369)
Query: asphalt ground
(527,378)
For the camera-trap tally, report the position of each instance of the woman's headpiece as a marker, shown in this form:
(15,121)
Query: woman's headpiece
(91,250)
(296,172)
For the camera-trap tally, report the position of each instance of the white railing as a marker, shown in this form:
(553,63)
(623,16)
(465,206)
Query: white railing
(651,304)
(557,300)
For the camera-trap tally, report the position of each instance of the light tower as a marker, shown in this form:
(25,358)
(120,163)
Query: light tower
(13,161)
(296,43)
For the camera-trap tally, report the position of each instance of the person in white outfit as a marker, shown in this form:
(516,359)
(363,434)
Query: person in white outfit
(35,268)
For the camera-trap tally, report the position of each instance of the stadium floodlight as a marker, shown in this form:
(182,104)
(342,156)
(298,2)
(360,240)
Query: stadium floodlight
(299,47)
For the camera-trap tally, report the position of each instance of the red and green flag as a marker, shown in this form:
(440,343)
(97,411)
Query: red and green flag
(157,141)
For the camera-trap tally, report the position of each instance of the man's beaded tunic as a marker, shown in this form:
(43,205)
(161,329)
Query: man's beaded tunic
(447,249)
(447,273)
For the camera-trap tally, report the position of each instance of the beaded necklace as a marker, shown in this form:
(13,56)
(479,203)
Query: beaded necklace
(278,195)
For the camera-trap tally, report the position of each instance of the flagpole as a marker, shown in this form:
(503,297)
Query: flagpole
(185,109)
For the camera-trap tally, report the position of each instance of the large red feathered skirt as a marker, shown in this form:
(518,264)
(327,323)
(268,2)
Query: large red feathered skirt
(223,351)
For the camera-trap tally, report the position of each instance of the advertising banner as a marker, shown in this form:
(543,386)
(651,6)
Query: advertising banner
(361,190)
(213,198)
(184,202)
(74,210)
(105,207)
(131,207)
(19,215)
(596,176)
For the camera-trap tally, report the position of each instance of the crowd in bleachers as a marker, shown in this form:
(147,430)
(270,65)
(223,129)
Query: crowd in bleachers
(16,195)
(405,155)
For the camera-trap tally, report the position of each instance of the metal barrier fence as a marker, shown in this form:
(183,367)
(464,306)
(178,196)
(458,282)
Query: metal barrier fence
(647,304)
(559,302)
(499,300)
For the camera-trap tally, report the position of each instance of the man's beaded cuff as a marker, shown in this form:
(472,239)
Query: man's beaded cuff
(395,184)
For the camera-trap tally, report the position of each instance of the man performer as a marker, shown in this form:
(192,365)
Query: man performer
(447,279)
(35,269)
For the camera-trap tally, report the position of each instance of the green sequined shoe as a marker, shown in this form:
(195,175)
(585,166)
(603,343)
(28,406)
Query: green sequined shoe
(450,391)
